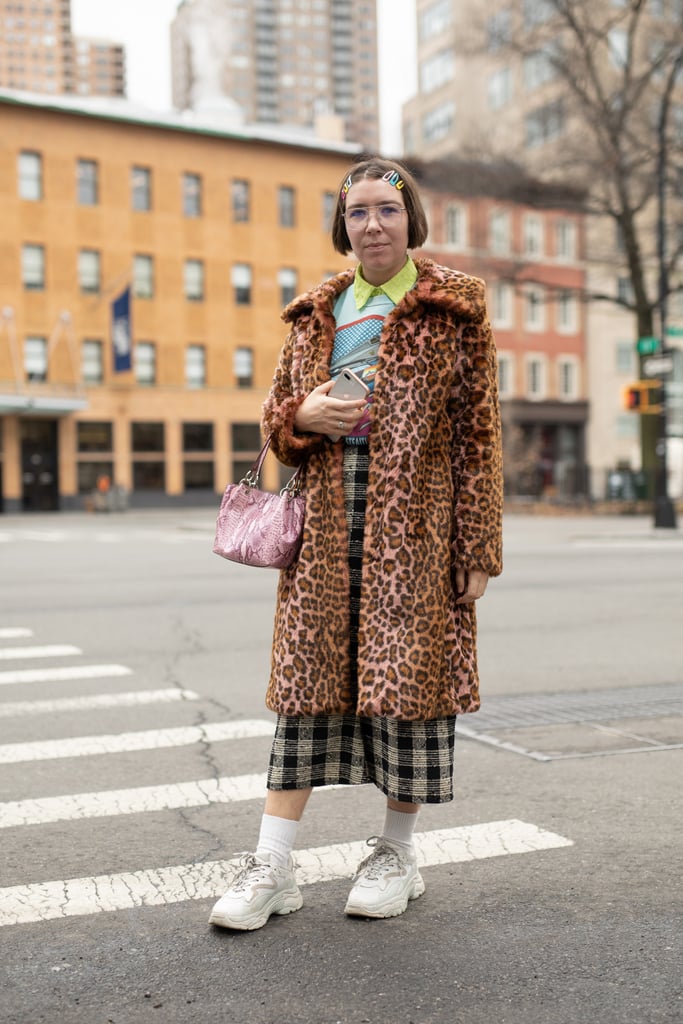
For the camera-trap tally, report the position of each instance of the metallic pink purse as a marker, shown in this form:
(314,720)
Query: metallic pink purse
(255,527)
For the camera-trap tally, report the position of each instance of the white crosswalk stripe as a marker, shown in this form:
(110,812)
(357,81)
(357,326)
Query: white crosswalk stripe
(15,633)
(60,675)
(133,698)
(45,901)
(151,739)
(46,651)
(110,803)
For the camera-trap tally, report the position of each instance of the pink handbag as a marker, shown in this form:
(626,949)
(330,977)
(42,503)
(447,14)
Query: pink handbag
(255,527)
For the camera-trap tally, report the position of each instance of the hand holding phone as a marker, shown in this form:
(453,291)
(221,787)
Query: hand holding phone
(347,386)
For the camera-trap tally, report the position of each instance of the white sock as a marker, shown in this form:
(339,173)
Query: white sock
(399,827)
(276,838)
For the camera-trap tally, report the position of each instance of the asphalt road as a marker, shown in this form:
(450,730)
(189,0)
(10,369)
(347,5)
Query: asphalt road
(580,739)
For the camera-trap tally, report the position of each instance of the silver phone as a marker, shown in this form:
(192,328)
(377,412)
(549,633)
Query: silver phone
(348,385)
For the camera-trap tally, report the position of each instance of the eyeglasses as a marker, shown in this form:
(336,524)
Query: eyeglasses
(388,215)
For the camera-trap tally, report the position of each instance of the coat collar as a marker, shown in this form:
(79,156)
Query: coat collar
(447,291)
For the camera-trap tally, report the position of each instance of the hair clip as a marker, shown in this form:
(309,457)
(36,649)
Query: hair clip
(393,178)
(345,187)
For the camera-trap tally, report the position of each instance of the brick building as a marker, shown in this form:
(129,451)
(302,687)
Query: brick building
(526,240)
(213,232)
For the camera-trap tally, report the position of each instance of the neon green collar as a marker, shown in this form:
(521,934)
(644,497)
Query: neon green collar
(395,288)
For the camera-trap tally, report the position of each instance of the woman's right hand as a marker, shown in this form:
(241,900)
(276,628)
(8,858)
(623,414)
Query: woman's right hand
(320,414)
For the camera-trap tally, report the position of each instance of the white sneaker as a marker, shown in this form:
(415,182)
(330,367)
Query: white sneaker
(385,881)
(259,889)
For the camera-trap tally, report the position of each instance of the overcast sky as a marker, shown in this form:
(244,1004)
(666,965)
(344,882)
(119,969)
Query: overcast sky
(143,27)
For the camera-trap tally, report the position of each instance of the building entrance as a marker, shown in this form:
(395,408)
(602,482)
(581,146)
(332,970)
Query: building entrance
(39,465)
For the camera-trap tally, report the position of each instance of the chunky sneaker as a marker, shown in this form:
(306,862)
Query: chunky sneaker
(385,881)
(260,888)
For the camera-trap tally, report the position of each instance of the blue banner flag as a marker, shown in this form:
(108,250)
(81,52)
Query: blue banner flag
(121,332)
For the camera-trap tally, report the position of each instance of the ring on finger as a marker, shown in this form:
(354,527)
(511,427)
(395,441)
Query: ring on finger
(341,424)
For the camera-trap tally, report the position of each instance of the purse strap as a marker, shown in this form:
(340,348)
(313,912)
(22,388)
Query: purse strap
(292,488)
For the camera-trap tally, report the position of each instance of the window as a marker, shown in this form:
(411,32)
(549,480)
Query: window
(195,366)
(35,359)
(141,188)
(145,360)
(500,89)
(147,437)
(241,283)
(243,365)
(193,276)
(286,201)
(567,378)
(287,279)
(192,195)
(501,304)
(625,291)
(506,375)
(328,208)
(92,368)
(567,318)
(246,444)
(89,271)
(240,200)
(539,68)
(149,475)
(625,357)
(86,182)
(435,20)
(455,224)
(565,240)
(198,475)
(499,29)
(618,43)
(30,173)
(437,123)
(437,70)
(143,277)
(95,437)
(33,267)
(533,235)
(534,307)
(535,377)
(544,124)
(197,437)
(500,232)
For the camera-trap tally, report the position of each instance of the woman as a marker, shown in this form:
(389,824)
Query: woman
(374,650)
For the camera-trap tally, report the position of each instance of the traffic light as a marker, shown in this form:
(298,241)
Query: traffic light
(645,396)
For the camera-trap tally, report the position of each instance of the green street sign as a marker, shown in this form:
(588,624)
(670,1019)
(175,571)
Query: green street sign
(676,332)
(646,346)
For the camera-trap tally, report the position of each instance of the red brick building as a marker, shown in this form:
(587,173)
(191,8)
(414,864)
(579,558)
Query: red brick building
(526,240)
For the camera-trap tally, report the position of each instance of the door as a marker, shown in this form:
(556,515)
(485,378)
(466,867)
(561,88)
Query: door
(40,484)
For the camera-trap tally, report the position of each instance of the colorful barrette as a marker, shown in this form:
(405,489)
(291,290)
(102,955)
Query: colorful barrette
(345,187)
(393,178)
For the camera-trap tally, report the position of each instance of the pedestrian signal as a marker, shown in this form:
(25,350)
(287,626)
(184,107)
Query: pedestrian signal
(645,396)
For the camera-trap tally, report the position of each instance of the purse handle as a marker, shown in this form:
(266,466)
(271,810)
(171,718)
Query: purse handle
(251,479)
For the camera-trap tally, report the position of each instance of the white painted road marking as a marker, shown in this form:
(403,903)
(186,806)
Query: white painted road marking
(60,675)
(109,803)
(45,901)
(46,651)
(151,739)
(14,632)
(12,709)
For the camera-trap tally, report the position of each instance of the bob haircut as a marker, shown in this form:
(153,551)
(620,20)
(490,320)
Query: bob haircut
(375,168)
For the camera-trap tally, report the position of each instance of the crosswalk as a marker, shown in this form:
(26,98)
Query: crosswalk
(33,901)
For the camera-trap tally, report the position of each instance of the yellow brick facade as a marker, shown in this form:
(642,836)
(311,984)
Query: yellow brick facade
(63,226)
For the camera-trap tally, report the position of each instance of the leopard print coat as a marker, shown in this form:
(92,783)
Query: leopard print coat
(434,500)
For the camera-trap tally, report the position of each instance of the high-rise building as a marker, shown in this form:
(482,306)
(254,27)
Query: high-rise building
(38,53)
(286,62)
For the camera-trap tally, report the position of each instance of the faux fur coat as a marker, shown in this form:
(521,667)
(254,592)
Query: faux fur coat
(434,502)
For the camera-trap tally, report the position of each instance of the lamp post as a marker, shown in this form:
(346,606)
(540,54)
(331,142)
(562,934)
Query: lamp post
(664,511)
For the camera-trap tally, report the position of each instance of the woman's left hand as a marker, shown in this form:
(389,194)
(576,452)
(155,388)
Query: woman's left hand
(470,585)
